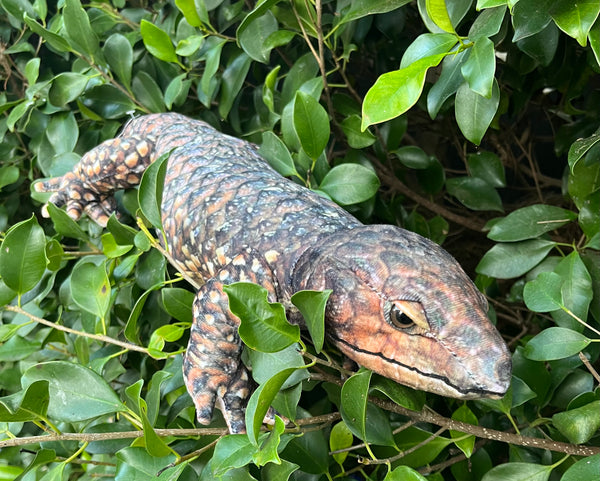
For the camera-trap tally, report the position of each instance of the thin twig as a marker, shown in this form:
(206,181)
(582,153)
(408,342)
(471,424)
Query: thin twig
(402,454)
(96,337)
(590,368)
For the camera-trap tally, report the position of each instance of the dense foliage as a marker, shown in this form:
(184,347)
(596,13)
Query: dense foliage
(476,124)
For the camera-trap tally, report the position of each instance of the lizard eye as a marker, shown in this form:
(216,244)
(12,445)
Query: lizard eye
(408,315)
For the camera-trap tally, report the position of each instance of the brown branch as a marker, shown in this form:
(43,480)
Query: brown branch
(96,337)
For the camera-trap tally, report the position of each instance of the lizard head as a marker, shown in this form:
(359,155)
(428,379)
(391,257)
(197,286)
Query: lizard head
(404,308)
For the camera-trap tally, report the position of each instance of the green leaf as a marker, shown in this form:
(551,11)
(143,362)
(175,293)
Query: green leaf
(464,414)
(580,147)
(586,468)
(30,404)
(277,154)
(119,54)
(480,67)
(575,19)
(404,473)
(268,453)
(530,17)
(555,343)
(475,193)
(147,92)
(111,249)
(487,23)
(78,29)
(261,400)
(90,288)
(232,451)
(311,123)
(350,183)
(155,445)
(158,42)
(579,425)
(402,395)
(266,364)
(437,11)
(576,289)
(151,189)
(362,8)
(263,325)
(23,256)
(311,305)
(474,113)
(395,92)
(488,167)
(340,437)
(64,225)
(518,472)
(189,46)
(414,157)
(135,464)
(448,83)
(508,260)
(9,174)
(357,139)
(426,45)
(62,132)
(178,303)
(530,222)
(67,87)
(68,401)
(107,101)
(278,472)
(543,294)
(195,14)
(233,79)
(252,37)
(309,451)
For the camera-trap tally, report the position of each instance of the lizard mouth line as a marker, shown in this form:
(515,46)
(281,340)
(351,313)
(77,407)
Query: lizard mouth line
(444,379)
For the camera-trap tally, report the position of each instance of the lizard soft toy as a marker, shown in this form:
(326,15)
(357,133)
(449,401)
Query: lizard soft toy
(400,305)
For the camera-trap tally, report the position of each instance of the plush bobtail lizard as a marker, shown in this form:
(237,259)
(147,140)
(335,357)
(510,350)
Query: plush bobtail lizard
(400,305)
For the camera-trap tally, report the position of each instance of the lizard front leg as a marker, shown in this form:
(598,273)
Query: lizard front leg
(212,369)
(115,164)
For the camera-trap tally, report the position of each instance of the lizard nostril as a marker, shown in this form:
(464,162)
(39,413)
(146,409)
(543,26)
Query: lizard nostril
(503,369)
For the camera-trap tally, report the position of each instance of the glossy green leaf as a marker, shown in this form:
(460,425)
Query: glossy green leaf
(233,79)
(542,46)
(311,123)
(402,395)
(518,472)
(62,132)
(487,23)
(426,45)
(357,139)
(268,453)
(90,288)
(68,401)
(475,193)
(147,92)
(107,101)
(586,468)
(30,404)
(23,256)
(474,113)
(232,451)
(579,425)
(261,400)
(64,225)
(480,67)
(362,8)
(164,334)
(311,305)
(308,451)
(155,445)
(488,167)
(110,247)
(119,54)
(263,325)
(350,183)
(543,294)
(576,290)
(404,473)
(594,37)
(530,17)
(575,19)
(151,188)
(195,14)
(158,42)
(448,83)
(411,437)
(79,32)
(277,154)
(464,414)
(66,87)
(208,82)
(135,464)
(178,303)
(340,438)
(189,46)
(508,260)
(266,364)
(555,343)
(278,472)
(437,11)
(581,147)
(9,174)
(395,92)
(413,157)
(252,37)
(53,39)
(530,222)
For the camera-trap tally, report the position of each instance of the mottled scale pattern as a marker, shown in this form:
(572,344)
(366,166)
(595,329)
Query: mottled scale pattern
(229,217)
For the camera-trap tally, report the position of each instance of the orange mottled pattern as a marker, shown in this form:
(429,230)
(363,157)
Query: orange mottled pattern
(400,305)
